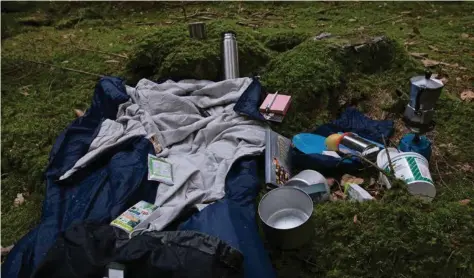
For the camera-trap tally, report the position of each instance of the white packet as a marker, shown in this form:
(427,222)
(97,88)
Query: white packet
(159,170)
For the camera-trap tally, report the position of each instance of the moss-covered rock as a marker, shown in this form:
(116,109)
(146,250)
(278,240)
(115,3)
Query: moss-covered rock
(79,15)
(149,55)
(309,73)
(321,75)
(170,53)
(284,41)
(374,55)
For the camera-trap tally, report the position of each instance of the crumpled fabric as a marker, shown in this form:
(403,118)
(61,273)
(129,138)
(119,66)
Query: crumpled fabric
(86,249)
(201,136)
(114,182)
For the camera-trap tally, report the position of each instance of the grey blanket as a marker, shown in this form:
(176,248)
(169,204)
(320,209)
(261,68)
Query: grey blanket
(200,134)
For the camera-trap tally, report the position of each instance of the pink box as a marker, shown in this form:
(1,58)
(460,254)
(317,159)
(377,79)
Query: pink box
(279,106)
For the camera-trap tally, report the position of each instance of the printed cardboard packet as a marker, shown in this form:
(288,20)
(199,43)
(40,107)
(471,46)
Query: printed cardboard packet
(159,170)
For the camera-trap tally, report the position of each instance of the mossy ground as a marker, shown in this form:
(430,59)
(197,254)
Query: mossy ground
(394,237)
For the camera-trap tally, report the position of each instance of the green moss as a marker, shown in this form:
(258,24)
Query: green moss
(286,40)
(19,220)
(196,60)
(78,16)
(309,74)
(149,55)
(170,53)
(386,240)
(322,74)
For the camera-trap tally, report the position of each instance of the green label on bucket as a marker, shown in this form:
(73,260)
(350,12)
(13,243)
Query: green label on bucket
(411,169)
(416,168)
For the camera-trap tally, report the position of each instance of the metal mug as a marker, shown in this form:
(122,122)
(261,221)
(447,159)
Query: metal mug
(285,214)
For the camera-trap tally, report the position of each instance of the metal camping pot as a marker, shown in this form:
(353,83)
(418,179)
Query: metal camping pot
(197,30)
(424,92)
(312,183)
(285,213)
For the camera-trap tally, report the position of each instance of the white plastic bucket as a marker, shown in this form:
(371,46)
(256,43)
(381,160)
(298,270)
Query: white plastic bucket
(382,160)
(410,167)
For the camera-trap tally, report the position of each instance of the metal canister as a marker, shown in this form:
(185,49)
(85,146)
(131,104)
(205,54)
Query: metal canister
(361,145)
(230,56)
(197,30)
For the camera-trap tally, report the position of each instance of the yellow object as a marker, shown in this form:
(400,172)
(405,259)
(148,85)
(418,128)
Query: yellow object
(332,142)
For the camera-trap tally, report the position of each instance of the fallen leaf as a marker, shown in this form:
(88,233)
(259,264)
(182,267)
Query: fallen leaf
(79,112)
(458,78)
(467,95)
(6,250)
(112,61)
(168,22)
(418,54)
(24,90)
(19,200)
(397,21)
(418,17)
(410,43)
(465,202)
(355,219)
(361,28)
(351,179)
(444,80)
(352,20)
(65,62)
(466,168)
(462,68)
(430,63)
(406,12)
(292,25)
(434,48)
(464,35)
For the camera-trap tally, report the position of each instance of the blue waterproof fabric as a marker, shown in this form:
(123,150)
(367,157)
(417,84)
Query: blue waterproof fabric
(118,180)
(351,120)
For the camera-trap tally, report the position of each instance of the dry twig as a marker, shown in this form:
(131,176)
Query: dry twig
(349,155)
(101,52)
(63,68)
(388,19)
(197,14)
(388,155)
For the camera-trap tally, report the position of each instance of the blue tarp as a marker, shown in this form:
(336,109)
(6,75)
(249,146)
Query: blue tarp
(351,120)
(118,180)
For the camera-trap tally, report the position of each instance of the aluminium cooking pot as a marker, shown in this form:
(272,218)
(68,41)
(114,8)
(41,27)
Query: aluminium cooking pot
(285,213)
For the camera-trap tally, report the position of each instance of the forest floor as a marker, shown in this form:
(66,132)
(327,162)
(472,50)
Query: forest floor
(391,237)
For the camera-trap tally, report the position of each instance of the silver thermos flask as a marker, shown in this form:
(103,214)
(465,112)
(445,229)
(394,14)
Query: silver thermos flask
(230,56)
